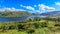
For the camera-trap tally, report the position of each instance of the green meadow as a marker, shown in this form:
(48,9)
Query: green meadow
(31,26)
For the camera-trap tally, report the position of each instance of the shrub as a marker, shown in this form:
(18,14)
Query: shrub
(11,27)
(42,31)
(37,25)
(20,26)
(43,24)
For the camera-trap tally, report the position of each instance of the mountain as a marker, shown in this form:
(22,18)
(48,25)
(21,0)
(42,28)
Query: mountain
(54,13)
(8,13)
(14,14)
(35,14)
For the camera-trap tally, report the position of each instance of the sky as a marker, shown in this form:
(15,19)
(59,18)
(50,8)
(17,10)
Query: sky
(30,5)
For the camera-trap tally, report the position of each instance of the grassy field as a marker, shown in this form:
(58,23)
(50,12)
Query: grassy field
(32,26)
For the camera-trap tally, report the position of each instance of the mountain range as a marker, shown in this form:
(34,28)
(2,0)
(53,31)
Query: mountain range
(54,13)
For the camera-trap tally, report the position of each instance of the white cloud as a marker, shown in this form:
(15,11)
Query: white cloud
(41,6)
(35,5)
(28,7)
(22,5)
(57,3)
(38,11)
(11,9)
(51,8)
(44,7)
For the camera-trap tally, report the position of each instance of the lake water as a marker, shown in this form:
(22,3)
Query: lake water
(6,19)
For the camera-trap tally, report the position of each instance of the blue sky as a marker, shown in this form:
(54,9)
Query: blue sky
(31,5)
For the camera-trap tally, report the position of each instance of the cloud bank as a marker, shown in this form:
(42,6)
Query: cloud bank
(39,7)
(11,9)
(57,3)
(44,7)
(27,7)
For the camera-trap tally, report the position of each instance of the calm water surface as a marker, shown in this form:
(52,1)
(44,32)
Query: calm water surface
(3,19)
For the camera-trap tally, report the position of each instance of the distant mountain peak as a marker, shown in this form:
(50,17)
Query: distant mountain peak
(54,13)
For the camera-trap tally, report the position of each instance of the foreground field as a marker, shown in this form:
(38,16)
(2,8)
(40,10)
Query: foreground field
(32,26)
(38,31)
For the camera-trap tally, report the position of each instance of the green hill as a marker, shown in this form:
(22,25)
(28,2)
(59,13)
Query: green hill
(14,14)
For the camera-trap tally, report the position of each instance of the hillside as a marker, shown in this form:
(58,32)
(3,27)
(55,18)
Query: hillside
(54,13)
(14,13)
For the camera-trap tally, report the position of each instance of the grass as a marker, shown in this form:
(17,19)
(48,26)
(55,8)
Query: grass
(44,27)
(42,31)
(13,32)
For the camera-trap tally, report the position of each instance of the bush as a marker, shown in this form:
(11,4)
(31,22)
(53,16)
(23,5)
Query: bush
(31,31)
(11,27)
(42,31)
(44,24)
(20,27)
(37,25)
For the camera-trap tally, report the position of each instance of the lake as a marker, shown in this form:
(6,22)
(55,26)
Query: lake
(6,19)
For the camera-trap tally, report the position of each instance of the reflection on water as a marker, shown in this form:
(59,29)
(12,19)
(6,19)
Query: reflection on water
(11,19)
(3,19)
